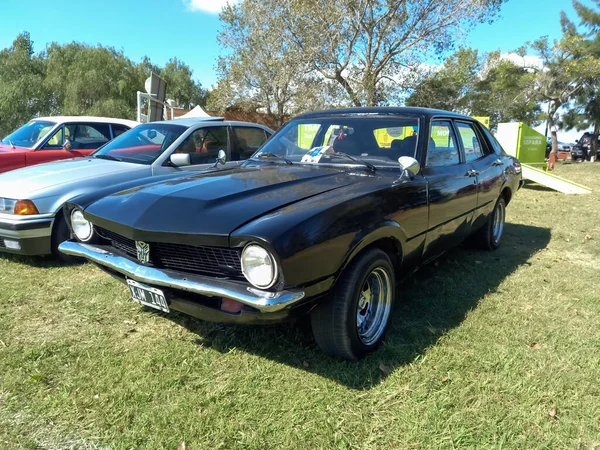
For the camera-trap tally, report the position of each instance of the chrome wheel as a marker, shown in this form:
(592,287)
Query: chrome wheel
(374,306)
(498,226)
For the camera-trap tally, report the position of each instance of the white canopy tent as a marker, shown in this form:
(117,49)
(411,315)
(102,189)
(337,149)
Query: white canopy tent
(196,112)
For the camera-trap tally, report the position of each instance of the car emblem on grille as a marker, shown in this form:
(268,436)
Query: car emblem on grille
(143,251)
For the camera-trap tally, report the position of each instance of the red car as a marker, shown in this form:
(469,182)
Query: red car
(47,139)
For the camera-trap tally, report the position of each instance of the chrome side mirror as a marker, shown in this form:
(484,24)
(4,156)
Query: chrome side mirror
(410,166)
(181,159)
(221,158)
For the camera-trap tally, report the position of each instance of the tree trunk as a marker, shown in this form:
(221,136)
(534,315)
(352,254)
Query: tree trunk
(340,79)
(552,124)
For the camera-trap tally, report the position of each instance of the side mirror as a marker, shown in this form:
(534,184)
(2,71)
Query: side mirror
(181,159)
(221,158)
(409,166)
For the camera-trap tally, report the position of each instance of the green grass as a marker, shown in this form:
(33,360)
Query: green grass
(483,350)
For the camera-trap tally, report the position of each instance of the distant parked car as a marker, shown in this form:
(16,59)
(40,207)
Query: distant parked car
(31,197)
(322,220)
(53,138)
(582,149)
(562,148)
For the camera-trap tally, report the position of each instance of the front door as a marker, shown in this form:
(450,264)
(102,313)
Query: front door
(452,187)
(70,141)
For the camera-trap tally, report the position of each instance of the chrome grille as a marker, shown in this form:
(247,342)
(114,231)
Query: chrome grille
(204,260)
(216,261)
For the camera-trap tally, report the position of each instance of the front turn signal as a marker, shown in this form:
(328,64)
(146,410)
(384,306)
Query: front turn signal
(25,208)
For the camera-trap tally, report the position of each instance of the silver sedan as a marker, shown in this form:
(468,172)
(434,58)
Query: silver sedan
(31,198)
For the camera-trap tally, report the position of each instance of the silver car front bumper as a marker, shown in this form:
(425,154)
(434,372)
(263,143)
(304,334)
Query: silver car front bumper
(28,235)
(266,302)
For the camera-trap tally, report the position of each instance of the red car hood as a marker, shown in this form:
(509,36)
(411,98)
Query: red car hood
(5,148)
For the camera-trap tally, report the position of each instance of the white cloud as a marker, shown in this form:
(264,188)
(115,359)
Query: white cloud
(527,61)
(208,6)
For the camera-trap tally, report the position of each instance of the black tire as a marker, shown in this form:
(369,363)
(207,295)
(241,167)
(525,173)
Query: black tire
(488,238)
(335,320)
(61,233)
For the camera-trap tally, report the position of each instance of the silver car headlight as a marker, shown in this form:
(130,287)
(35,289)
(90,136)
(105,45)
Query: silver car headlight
(83,228)
(258,266)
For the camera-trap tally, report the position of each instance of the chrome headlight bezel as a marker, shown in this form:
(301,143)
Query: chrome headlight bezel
(260,253)
(78,222)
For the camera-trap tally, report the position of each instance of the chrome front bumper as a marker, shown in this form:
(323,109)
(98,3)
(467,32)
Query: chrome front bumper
(265,302)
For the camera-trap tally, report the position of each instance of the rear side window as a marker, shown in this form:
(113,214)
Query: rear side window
(442,149)
(87,136)
(470,141)
(498,150)
(118,130)
(249,140)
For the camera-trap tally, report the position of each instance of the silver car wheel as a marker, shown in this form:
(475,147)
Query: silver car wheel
(499,216)
(374,306)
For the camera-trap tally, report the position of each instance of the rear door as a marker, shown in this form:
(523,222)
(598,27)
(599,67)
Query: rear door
(487,165)
(203,146)
(246,140)
(452,189)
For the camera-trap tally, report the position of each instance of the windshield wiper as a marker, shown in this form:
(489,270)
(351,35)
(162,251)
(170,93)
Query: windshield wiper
(352,158)
(274,155)
(108,157)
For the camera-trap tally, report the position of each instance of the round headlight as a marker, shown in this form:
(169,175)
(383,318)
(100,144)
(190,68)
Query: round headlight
(82,227)
(258,266)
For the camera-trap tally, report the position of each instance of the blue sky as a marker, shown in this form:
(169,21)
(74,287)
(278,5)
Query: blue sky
(188,32)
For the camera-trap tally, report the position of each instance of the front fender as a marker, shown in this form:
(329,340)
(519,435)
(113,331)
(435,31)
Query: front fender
(388,230)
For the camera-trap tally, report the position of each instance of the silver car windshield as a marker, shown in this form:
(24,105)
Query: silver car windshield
(29,134)
(142,144)
(378,141)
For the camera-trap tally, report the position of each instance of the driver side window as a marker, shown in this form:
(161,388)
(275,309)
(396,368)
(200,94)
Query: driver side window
(56,141)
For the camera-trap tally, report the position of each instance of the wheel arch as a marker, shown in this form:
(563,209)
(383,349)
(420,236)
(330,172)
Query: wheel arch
(388,236)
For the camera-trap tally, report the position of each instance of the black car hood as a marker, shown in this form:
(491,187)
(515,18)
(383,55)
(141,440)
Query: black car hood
(204,209)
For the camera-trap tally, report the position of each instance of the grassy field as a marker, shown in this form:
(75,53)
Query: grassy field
(487,350)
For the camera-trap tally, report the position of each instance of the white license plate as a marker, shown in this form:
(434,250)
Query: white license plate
(147,295)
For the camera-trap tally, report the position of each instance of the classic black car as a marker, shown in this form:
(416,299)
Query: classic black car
(323,219)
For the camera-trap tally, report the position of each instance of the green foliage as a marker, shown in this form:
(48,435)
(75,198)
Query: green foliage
(79,79)
(571,70)
(22,92)
(480,86)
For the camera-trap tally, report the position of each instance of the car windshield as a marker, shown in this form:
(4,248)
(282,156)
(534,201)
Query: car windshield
(376,140)
(29,134)
(142,144)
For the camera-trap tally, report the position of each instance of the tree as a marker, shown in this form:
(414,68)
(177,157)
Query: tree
(261,71)
(448,87)
(22,93)
(363,45)
(85,80)
(567,67)
(490,86)
(584,111)
(504,92)
(181,87)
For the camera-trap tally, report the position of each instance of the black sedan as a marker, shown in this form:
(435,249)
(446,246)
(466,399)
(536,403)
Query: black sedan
(322,220)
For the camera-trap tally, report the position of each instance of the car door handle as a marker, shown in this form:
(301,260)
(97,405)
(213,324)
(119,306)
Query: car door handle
(472,173)
(498,162)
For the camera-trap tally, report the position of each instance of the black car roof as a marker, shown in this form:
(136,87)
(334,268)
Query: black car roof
(397,110)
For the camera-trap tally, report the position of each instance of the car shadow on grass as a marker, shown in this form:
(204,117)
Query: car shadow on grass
(45,262)
(433,301)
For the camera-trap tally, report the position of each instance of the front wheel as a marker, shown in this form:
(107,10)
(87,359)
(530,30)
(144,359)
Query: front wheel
(352,323)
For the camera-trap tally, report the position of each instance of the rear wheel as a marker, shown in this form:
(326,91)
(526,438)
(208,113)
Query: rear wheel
(489,237)
(352,323)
